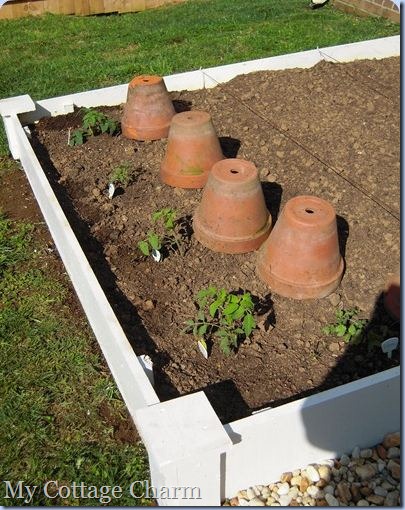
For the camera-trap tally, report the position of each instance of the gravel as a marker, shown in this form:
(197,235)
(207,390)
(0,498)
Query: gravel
(365,477)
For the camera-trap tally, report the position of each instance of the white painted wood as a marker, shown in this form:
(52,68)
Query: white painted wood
(312,429)
(16,105)
(9,127)
(126,369)
(185,440)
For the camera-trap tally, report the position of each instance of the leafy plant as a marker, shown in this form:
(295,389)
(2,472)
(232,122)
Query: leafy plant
(170,234)
(347,326)
(152,242)
(121,175)
(94,123)
(224,315)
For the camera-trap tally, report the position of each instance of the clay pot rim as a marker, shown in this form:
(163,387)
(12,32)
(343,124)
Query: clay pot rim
(235,240)
(325,283)
(302,211)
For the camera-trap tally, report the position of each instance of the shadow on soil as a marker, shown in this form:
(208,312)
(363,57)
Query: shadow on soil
(358,360)
(230,146)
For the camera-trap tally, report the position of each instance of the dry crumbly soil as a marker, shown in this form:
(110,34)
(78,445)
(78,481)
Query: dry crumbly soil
(331,131)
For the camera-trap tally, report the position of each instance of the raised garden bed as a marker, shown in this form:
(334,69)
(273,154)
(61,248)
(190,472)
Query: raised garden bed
(326,131)
(321,131)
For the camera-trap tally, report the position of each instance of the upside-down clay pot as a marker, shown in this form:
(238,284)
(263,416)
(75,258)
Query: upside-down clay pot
(392,297)
(301,258)
(148,111)
(232,216)
(192,149)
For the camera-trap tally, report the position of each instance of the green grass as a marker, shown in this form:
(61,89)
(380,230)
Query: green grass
(53,383)
(54,55)
(52,377)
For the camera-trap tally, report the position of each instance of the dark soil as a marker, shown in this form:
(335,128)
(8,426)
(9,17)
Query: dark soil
(331,131)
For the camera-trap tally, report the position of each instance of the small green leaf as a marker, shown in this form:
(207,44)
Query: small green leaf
(154,241)
(230,308)
(202,330)
(224,345)
(248,324)
(144,247)
(352,329)
(200,316)
(213,308)
(340,329)
(239,313)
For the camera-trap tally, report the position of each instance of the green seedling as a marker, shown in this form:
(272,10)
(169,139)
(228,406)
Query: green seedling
(94,123)
(121,175)
(152,242)
(347,326)
(169,234)
(223,315)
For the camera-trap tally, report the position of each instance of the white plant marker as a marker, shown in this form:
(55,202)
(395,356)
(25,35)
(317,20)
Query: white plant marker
(202,346)
(157,256)
(389,345)
(69,130)
(111,190)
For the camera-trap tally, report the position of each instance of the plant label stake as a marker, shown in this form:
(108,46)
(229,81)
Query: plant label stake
(156,255)
(389,345)
(202,346)
(111,190)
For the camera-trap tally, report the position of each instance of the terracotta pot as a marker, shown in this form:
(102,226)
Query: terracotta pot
(232,216)
(392,297)
(192,149)
(148,110)
(301,257)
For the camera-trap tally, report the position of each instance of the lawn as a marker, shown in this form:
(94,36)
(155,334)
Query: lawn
(54,383)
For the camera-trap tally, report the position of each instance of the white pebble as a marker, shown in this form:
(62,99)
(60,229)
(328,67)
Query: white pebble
(380,491)
(243,502)
(356,452)
(313,491)
(393,452)
(266,492)
(285,500)
(366,453)
(345,460)
(251,493)
(283,489)
(256,502)
(331,500)
(327,462)
(312,474)
(324,472)
(293,492)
